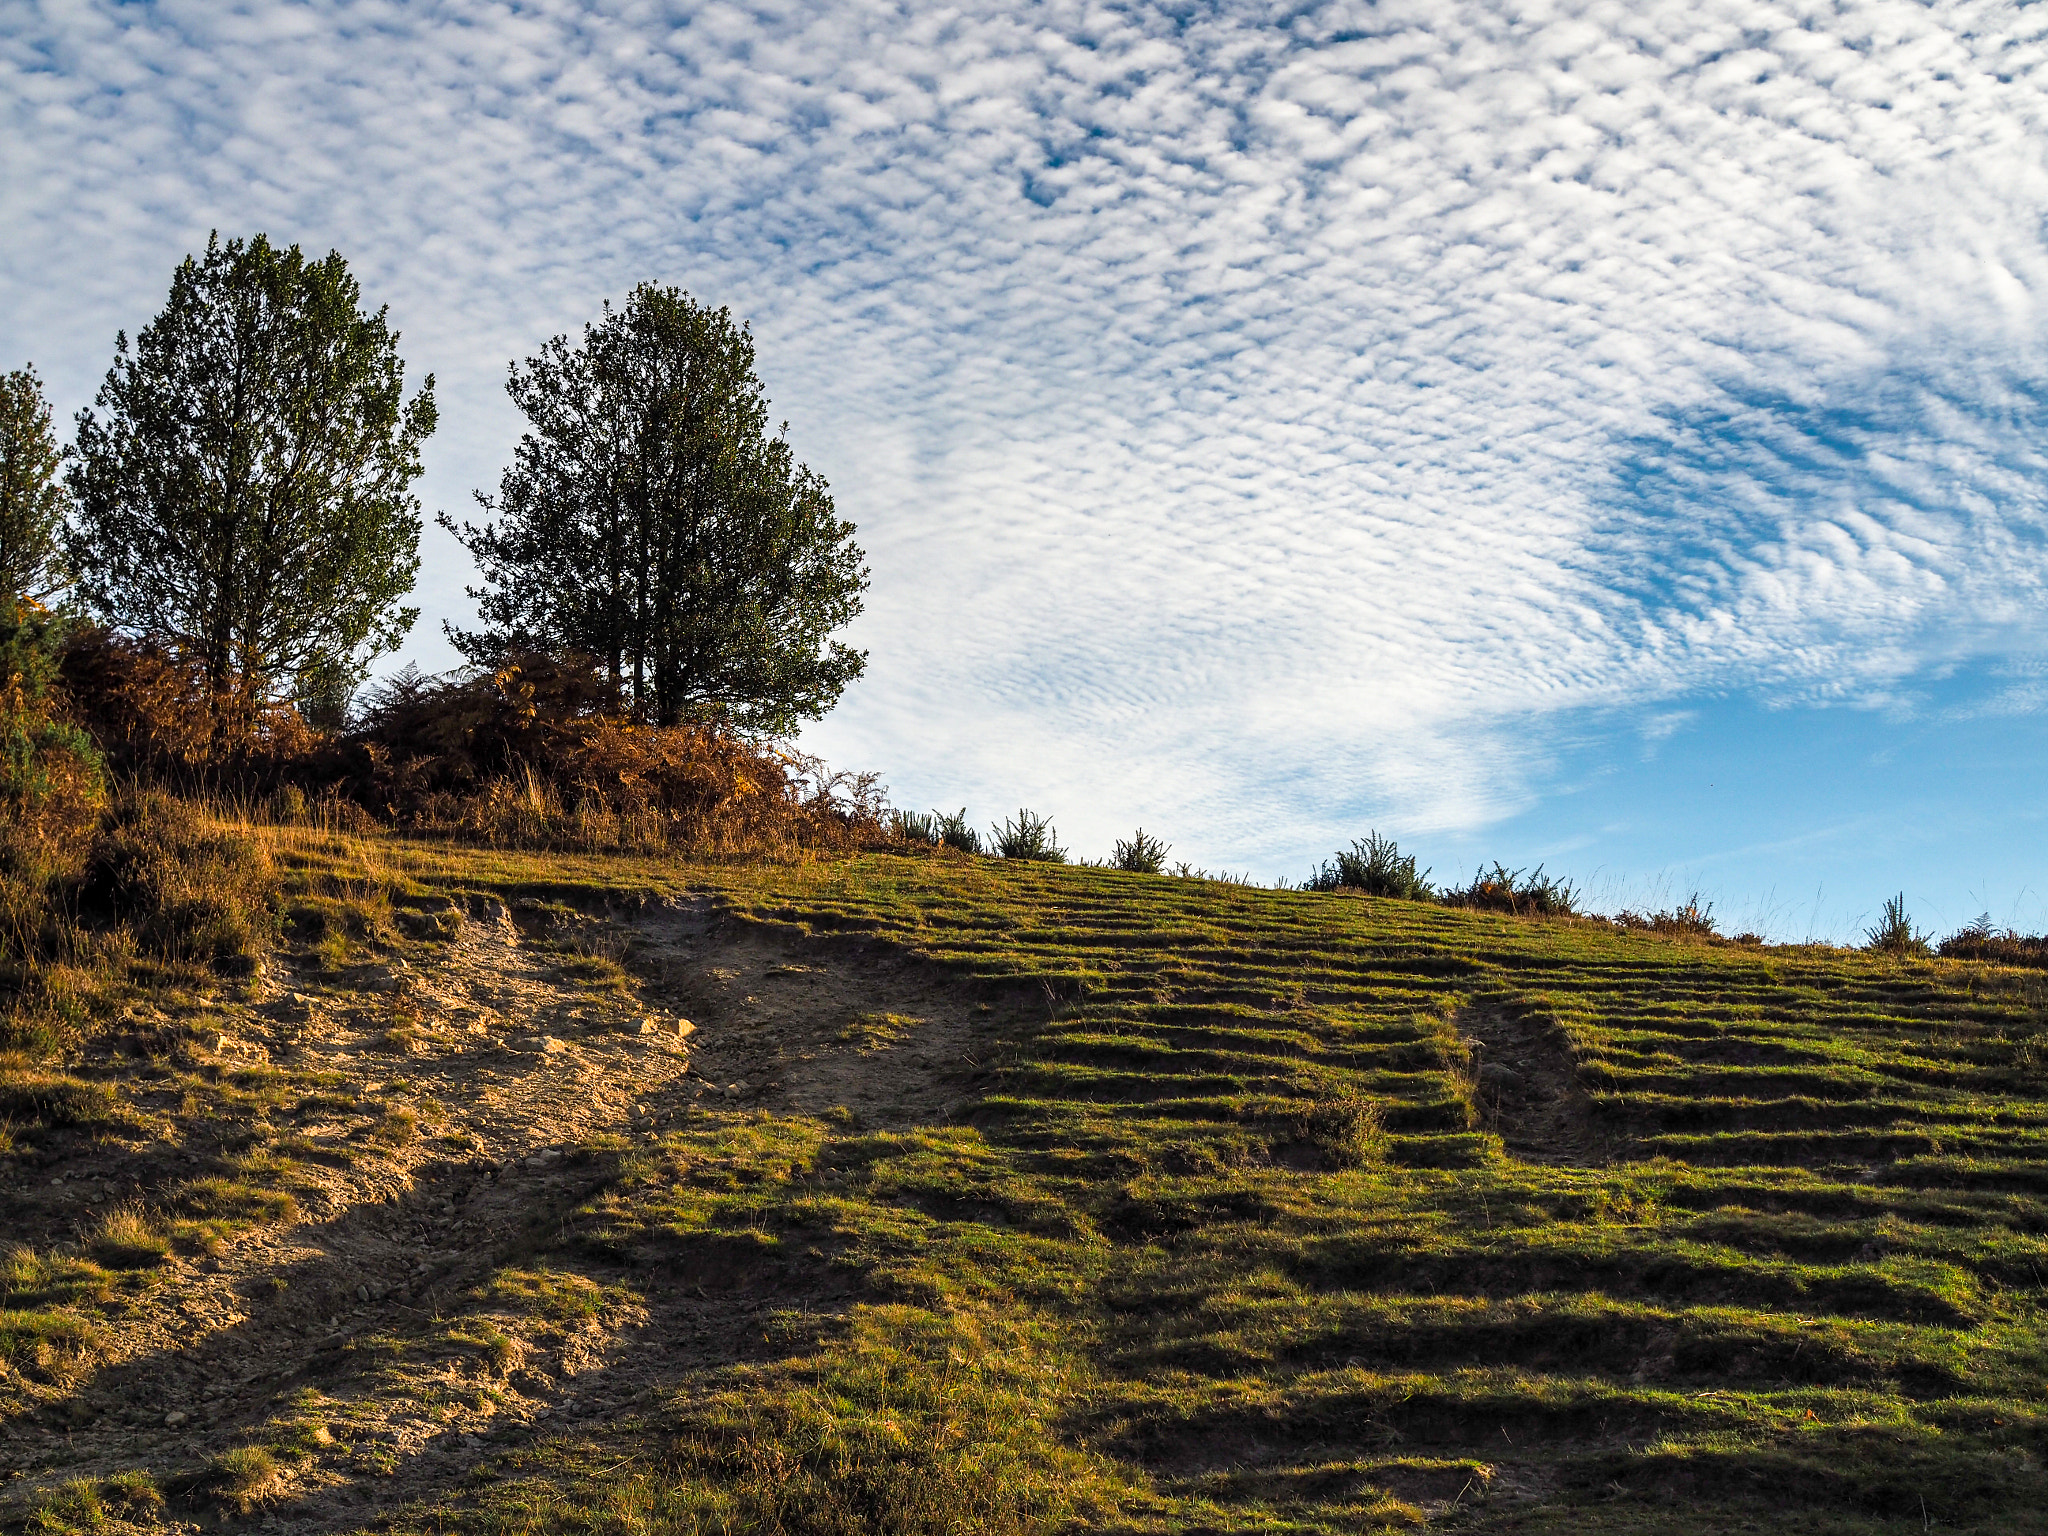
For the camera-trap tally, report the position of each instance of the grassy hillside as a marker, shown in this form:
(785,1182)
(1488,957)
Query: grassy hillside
(1006,1197)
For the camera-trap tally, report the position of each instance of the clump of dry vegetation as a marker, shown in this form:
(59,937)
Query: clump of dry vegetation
(539,752)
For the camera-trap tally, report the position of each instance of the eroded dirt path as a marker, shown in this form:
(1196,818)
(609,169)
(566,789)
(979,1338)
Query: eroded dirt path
(407,1319)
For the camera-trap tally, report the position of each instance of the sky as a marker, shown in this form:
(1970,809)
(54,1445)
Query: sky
(1606,436)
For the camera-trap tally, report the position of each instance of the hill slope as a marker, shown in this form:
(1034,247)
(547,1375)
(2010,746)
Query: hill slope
(996,1197)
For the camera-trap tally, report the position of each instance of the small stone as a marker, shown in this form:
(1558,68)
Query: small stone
(684,1028)
(174,1418)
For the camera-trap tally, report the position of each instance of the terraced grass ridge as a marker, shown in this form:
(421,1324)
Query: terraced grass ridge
(1017,1198)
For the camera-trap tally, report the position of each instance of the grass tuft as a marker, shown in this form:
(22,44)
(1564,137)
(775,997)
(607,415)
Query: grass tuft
(127,1239)
(243,1479)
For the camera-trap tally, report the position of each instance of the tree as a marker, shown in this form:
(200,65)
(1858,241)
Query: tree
(651,520)
(32,502)
(247,496)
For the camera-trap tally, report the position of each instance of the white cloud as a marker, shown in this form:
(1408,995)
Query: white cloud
(1261,418)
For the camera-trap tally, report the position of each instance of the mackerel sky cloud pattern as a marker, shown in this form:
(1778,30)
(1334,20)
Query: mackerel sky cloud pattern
(1264,420)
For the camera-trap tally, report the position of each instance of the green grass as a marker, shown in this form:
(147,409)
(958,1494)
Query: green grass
(1284,1211)
(1771,1252)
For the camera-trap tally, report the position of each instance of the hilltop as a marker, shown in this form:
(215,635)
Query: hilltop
(521,1192)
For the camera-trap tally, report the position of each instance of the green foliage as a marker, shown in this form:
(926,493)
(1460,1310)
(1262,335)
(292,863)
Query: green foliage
(32,502)
(954,832)
(1690,921)
(918,827)
(652,520)
(1894,933)
(52,780)
(938,829)
(244,481)
(1375,866)
(1031,837)
(1143,854)
(1528,893)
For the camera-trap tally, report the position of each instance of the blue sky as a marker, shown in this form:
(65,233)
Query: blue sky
(1604,434)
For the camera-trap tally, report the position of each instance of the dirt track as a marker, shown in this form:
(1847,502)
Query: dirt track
(377,1329)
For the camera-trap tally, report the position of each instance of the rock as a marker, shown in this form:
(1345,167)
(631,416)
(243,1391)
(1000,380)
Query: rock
(175,1417)
(684,1029)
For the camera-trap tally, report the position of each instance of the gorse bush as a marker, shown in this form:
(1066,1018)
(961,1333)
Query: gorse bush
(937,829)
(1144,854)
(918,827)
(1894,933)
(1376,866)
(1031,836)
(954,832)
(1689,921)
(1526,894)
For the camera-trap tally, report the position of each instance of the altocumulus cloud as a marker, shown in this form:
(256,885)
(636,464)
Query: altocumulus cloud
(1260,417)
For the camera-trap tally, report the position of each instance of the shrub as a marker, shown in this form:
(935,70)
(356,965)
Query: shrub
(937,829)
(1894,934)
(1375,866)
(954,832)
(1144,854)
(919,827)
(155,717)
(52,779)
(536,753)
(190,890)
(1691,921)
(1501,889)
(1030,837)
(1980,941)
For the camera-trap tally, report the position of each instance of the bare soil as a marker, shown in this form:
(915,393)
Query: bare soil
(414,1316)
